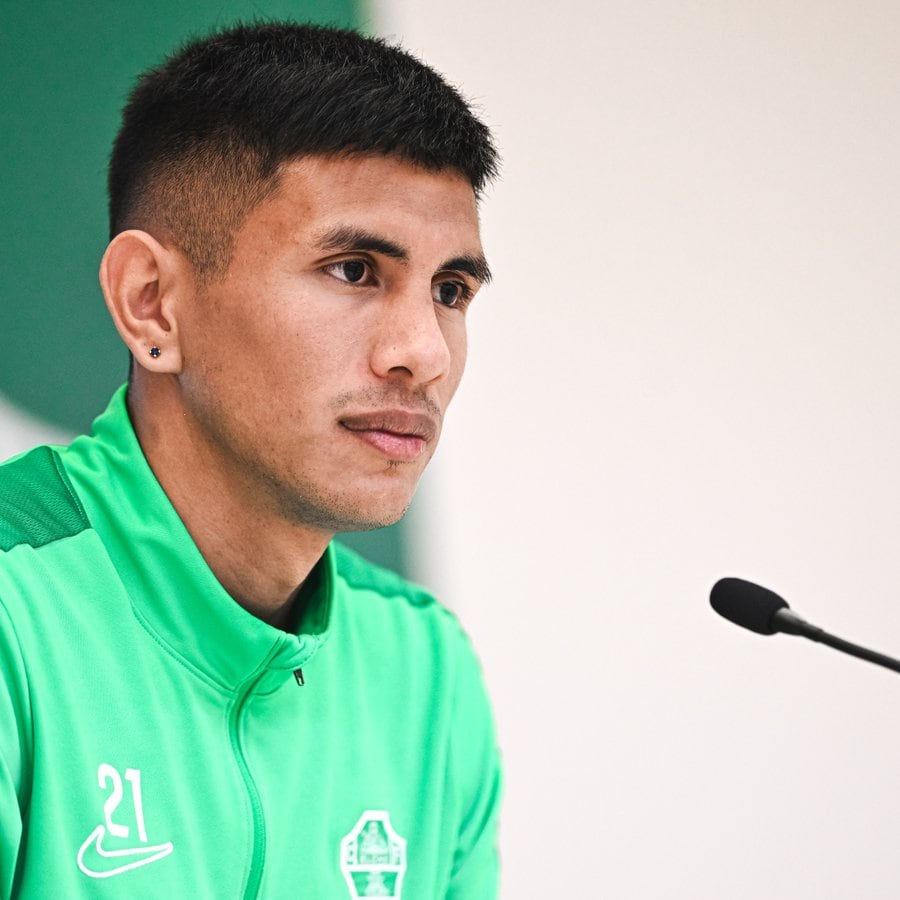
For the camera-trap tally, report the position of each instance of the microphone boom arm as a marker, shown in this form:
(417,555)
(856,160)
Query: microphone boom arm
(789,622)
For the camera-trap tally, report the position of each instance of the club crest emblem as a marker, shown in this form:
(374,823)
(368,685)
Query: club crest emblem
(373,857)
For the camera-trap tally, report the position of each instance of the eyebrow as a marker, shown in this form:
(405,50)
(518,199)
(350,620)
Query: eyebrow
(476,266)
(346,237)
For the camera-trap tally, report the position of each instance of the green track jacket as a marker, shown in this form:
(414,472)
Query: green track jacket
(157,740)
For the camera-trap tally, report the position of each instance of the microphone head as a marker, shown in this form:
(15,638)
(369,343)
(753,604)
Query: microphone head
(747,604)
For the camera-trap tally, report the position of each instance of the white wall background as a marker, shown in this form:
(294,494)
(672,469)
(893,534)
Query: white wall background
(20,431)
(687,368)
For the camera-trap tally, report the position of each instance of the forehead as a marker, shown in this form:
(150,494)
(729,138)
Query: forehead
(383,194)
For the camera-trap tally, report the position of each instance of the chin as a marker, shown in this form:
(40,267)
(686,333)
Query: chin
(356,511)
(368,520)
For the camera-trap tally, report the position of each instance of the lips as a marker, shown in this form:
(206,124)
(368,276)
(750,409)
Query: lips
(398,434)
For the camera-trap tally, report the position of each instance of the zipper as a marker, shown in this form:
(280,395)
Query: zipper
(258,856)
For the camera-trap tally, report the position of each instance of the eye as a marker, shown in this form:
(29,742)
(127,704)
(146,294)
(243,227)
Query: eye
(353,271)
(451,293)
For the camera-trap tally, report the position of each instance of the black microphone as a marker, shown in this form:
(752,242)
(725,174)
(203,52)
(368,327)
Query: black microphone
(763,611)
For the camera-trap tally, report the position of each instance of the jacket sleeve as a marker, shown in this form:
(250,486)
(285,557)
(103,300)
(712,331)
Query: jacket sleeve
(476,775)
(15,727)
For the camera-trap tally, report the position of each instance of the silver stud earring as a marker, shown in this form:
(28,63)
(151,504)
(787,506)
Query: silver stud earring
(154,352)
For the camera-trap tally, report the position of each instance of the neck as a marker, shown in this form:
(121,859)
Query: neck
(261,559)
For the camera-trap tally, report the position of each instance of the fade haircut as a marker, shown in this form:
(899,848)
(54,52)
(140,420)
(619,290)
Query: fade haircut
(203,135)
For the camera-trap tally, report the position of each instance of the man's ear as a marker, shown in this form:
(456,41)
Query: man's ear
(142,281)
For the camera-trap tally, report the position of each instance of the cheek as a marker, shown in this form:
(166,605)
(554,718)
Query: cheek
(457,344)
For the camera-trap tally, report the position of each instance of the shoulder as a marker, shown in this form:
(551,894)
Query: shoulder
(359,574)
(38,504)
(394,611)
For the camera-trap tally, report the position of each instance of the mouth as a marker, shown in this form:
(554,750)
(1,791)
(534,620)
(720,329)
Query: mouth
(400,435)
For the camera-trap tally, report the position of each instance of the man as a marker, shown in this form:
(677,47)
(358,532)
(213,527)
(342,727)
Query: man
(205,696)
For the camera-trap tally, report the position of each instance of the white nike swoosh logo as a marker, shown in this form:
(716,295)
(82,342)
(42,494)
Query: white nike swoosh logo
(138,856)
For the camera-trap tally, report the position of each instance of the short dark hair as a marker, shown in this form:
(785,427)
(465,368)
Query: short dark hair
(203,134)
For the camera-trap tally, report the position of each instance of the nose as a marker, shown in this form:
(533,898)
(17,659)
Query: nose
(410,340)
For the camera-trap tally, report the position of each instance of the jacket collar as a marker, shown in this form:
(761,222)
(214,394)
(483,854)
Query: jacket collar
(173,592)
